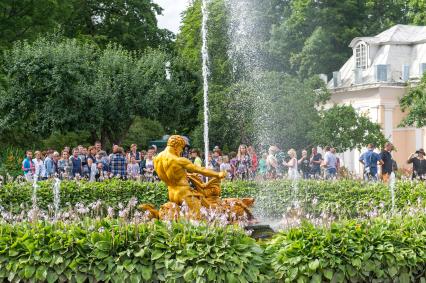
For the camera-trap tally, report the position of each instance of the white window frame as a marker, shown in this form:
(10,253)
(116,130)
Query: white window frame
(361,56)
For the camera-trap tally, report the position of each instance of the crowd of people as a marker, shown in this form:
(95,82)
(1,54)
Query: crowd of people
(92,163)
(95,164)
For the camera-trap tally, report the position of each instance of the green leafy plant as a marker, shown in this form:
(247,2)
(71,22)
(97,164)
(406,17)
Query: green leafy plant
(109,251)
(379,251)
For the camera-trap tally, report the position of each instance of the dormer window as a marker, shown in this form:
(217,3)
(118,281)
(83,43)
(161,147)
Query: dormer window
(361,56)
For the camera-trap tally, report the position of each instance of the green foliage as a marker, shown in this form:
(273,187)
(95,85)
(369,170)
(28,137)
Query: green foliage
(343,199)
(61,85)
(142,131)
(108,251)
(414,103)
(379,251)
(58,141)
(10,162)
(343,128)
(132,24)
(111,193)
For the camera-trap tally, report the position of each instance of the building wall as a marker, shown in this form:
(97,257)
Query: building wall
(382,105)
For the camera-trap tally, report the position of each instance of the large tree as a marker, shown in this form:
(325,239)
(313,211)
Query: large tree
(345,129)
(130,23)
(63,85)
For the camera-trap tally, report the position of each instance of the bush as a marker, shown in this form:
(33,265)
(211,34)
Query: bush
(342,199)
(377,251)
(111,193)
(110,251)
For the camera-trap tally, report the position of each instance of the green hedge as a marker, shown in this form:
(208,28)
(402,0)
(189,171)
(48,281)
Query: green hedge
(380,251)
(110,251)
(343,199)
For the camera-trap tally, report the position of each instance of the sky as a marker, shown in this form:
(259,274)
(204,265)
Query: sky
(171,13)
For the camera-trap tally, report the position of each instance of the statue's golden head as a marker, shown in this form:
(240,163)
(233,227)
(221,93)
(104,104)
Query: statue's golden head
(176,142)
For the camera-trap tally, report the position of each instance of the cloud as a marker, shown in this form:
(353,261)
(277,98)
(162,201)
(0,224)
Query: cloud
(172,10)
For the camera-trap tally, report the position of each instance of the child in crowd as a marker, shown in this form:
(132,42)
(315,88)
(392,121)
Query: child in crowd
(226,166)
(133,168)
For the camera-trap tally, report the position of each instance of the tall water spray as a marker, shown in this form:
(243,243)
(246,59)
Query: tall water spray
(205,70)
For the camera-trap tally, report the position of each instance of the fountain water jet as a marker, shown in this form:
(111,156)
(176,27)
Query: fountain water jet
(56,196)
(205,70)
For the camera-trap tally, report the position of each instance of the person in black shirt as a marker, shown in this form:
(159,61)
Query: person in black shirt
(304,165)
(419,164)
(387,166)
(316,160)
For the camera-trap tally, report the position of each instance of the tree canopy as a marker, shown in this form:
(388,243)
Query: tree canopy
(415,104)
(57,84)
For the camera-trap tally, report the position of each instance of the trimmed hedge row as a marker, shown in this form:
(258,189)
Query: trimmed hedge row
(380,251)
(344,199)
(110,251)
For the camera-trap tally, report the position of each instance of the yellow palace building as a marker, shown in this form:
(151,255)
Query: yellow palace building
(373,80)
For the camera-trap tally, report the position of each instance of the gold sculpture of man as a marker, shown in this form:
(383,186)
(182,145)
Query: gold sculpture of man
(177,172)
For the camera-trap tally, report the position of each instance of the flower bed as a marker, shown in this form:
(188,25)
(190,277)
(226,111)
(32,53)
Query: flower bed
(342,199)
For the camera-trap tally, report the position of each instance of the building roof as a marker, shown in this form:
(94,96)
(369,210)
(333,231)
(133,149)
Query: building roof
(398,34)
(396,55)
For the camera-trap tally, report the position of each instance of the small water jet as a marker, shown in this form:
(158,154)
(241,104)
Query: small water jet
(392,180)
(56,196)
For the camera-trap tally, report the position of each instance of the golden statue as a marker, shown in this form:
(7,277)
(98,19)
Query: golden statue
(179,173)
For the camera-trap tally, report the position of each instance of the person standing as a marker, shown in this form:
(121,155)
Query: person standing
(65,166)
(49,165)
(387,166)
(147,166)
(133,169)
(98,146)
(315,162)
(118,166)
(40,170)
(263,167)
(272,163)
(243,162)
(77,164)
(226,166)
(419,164)
(254,161)
(28,166)
(134,153)
(292,165)
(370,159)
(195,157)
(304,165)
(330,163)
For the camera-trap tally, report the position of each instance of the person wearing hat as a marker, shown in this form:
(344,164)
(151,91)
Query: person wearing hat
(419,164)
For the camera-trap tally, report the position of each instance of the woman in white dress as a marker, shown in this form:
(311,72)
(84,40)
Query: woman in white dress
(292,165)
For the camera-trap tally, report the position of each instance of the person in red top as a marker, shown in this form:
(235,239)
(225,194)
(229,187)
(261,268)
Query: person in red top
(254,161)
